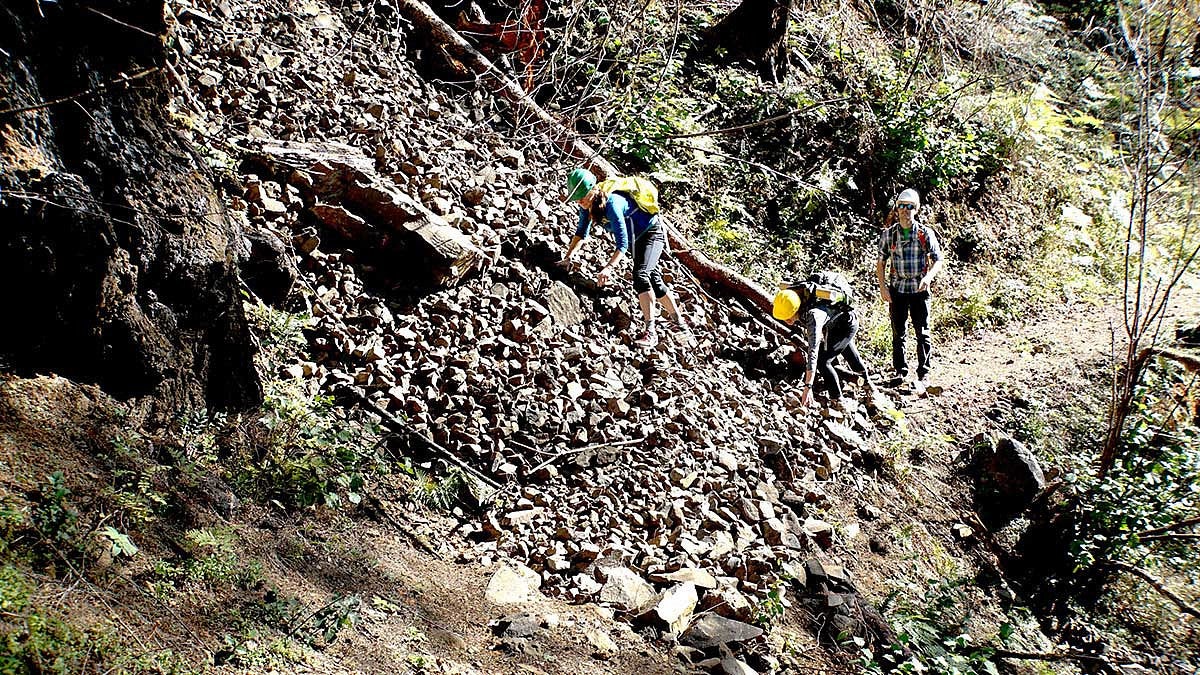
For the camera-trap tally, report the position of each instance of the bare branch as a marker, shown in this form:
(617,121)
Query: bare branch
(752,125)
(1055,656)
(1157,585)
(1169,528)
(83,94)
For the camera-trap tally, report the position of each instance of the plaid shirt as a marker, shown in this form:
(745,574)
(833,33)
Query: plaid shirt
(910,257)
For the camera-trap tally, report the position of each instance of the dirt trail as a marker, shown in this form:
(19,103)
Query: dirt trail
(1048,362)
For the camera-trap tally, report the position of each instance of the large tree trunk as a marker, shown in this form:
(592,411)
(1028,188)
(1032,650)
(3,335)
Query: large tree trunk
(118,265)
(755,30)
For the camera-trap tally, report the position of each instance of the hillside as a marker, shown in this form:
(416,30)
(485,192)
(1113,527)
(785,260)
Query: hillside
(448,454)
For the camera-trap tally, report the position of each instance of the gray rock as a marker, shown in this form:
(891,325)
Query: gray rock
(564,305)
(627,591)
(513,583)
(712,630)
(1008,477)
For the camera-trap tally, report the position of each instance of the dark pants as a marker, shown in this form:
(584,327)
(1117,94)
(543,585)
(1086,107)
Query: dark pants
(916,306)
(647,249)
(839,341)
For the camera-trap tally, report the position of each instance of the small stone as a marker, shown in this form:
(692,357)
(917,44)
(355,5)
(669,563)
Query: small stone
(512,583)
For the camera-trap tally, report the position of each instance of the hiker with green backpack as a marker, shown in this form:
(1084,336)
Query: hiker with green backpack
(628,208)
(821,307)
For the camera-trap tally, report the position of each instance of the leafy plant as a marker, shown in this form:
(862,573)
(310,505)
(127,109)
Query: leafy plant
(772,607)
(37,639)
(932,635)
(56,521)
(1152,484)
(119,543)
(438,494)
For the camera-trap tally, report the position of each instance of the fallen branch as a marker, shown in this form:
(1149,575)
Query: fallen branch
(576,451)
(1168,528)
(1172,536)
(96,90)
(1157,585)
(1054,656)
(751,125)
(416,438)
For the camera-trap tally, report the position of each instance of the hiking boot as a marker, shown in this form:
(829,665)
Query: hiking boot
(647,340)
(918,387)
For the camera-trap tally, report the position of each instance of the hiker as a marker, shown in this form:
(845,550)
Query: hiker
(822,306)
(628,207)
(914,256)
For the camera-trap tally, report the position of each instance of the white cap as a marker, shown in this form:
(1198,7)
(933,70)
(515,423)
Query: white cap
(909,196)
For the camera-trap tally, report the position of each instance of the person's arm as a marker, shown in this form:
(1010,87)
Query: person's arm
(814,324)
(935,254)
(616,222)
(880,271)
(581,232)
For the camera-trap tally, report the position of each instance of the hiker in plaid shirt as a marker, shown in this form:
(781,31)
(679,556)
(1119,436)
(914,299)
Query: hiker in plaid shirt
(916,258)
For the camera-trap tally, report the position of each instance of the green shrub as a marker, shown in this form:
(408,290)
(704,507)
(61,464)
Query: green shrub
(1153,482)
(934,631)
(35,639)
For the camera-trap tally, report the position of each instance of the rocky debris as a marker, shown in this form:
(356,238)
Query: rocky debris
(630,473)
(827,591)
(1007,477)
(712,630)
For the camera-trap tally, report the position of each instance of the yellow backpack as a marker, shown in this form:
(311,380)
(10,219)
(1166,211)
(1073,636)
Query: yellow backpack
(639,189)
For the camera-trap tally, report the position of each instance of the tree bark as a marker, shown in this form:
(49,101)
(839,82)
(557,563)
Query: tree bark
(755,30)
(121,266)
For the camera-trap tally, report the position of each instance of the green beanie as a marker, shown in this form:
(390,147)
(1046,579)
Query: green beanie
(579,183)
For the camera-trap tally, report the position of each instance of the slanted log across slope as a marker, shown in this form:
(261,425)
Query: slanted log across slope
(527,110)
(415,245)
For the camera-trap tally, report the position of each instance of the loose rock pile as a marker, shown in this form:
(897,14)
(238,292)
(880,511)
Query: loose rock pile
(660,483)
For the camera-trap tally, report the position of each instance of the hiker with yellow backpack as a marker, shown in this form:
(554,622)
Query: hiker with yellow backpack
(628,208)
(821,309)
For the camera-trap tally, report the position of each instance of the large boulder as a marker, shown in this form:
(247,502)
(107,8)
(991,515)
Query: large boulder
(1007,477)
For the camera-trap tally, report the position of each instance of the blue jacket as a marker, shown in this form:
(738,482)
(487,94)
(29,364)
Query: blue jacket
(623,218)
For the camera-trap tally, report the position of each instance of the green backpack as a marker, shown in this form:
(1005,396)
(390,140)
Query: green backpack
(640,190)
(830,287)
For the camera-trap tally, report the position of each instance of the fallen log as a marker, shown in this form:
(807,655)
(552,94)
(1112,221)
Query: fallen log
(359,205)
(724,279)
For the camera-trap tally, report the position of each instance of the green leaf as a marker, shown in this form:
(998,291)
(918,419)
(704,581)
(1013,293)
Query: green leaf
(120,542)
